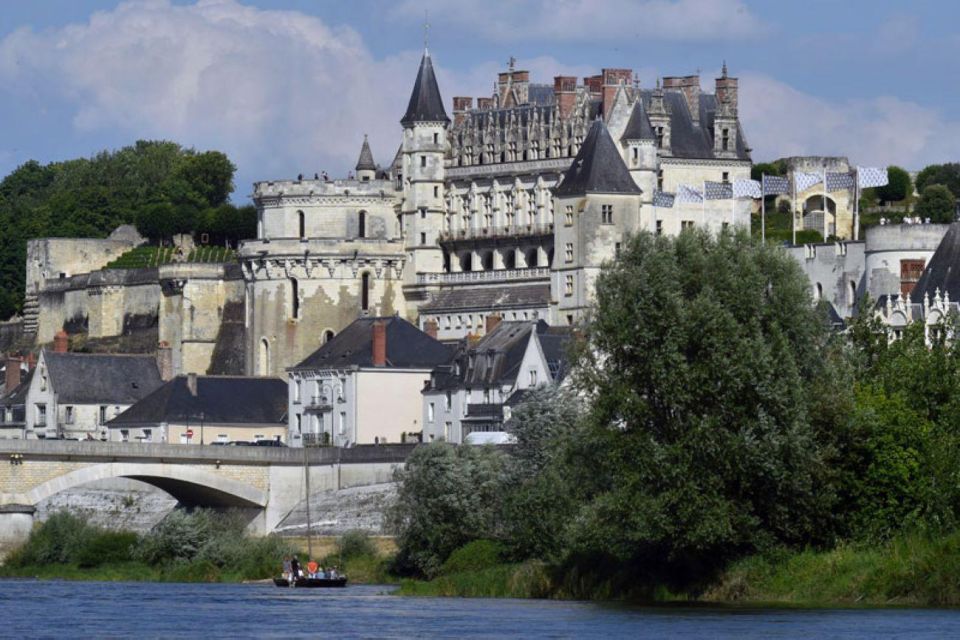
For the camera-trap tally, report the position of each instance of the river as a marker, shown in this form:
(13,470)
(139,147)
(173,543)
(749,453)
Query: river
(31,609)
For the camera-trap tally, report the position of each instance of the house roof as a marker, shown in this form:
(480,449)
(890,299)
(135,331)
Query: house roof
(17,395)
(598,167)
(489,297)
(425,105)
(87,378)
(219,399)
(638,127)
(366,162)
(407,347)
(942,273)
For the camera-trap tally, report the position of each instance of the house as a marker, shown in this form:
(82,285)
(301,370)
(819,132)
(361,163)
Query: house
(363,386)
(475,389)
(13,397)
(74,395)
(192,409)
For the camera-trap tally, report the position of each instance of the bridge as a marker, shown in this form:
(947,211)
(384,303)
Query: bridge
(268,482)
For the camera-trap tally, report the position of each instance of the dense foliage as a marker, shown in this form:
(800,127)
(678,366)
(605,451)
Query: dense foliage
(712,415)
(898,187)
(937,203)
(160,186)
(946,174)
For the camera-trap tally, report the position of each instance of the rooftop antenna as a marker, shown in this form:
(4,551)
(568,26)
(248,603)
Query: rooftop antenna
(426,30)
(511,63)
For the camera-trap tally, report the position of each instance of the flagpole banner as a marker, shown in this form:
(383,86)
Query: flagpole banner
(806,180)
(840,181)
(747,189)
(664,200)
(775,185)
(688,194)
(717,190)
(871,177)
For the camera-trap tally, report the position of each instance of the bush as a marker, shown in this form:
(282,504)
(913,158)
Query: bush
(59,540)
(937,203)
(354,544)
(107,547)
(474,556)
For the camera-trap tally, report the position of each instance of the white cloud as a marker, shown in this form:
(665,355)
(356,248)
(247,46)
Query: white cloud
(782,121)
(594,20)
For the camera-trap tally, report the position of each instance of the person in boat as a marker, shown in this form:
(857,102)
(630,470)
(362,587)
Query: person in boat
(287,568)
(312,568)
(332,573)
(295,568)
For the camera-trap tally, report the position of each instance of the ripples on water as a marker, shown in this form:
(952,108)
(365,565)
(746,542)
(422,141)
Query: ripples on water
(30,609)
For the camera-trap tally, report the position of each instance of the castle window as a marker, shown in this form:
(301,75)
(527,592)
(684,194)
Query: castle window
(362,224)
(301,225)
(328,336)
(660,180)
(423,213)
(423,161)
(568,252)
(568,285)
(851,293)
(264,368)
(436,192)
(568,215)
(726,139)
(436,138)
(616,250)
(294,299)
(910,272)
(365,292)
(686,224)
(531,256)
(423,238)
(659,227)
(606,214)
(726,176)
(659,137)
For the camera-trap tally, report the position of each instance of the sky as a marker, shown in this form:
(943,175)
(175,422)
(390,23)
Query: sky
(291,86)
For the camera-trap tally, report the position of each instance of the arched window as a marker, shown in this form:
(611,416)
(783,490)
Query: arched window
(294,298)
(851,293)
(817,292)
(328,336)
(488,261)
(264,360)
(362,224)
(466,261)
(531,256)
(301,225)
(365,291)
(510,259)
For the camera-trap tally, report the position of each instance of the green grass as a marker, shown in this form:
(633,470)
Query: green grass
(526,580)
(778,230)
(150,256)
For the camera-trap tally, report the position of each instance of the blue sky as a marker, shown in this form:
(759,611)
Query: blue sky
(291,86)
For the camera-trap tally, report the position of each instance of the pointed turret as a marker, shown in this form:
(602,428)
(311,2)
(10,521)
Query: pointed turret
(940,275)
(366,167)
(425,105)
(638,127)
(598,167)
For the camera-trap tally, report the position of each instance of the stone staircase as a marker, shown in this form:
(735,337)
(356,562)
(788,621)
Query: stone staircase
(31,314)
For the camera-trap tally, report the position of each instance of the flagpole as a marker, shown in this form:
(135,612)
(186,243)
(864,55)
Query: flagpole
(703,206)
(793,208)
(826,209)
(763,211)
(856,203)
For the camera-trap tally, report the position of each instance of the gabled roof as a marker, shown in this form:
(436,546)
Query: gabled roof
(598,167)
(17,395)
(943,271)
(425,105)
(407,347)
(219,399)
(366,162)
(87,378)
(638,127)
(489,298)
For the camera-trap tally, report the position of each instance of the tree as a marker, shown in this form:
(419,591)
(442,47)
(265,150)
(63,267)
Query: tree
(700,359)
(945,174)
(937,203)
(898,185)
(768,168)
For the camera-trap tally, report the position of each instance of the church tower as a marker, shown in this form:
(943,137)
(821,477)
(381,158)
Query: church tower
(424,149)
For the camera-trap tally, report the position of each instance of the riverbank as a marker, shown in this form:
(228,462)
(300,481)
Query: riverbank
(910,570)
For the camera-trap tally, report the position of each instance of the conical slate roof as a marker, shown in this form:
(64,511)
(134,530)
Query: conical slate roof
(598,167)
(366,157)
(426,105)
(943,271)
(638,127)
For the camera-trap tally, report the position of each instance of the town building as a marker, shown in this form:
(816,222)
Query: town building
(207,410)
(13,399)
(75,395)
(363,386)
(474,390)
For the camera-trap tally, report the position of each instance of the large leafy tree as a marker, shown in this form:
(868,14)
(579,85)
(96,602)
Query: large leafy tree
(937,203)
(898,185)
(946,174)
(700,361)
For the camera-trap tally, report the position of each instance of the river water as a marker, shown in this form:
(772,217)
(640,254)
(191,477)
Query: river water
(31,609)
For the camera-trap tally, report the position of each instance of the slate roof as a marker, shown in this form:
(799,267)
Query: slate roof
(366,162)
(407,347)
(943,271)
(598,167)
(638,127)
(489,297)
(86,378)
(425,105)
(221,400)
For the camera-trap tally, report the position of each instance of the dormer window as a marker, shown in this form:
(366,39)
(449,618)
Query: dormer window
(725,140)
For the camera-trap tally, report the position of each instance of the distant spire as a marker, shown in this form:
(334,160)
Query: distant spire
(366,162)
(425,104)
(426,31)
(723,74)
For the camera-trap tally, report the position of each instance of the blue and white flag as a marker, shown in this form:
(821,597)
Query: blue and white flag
(871,177)
(839,181)
(661,199)
(746,189)
(806,180)
(775,185)
(718,190)
(687,194)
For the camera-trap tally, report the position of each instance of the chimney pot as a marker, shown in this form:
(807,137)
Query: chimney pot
(61,342)
(31,361)
(165,361)
(379,335)
(12,378)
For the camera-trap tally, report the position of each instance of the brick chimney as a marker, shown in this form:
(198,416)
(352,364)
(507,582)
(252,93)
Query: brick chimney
(61,342)
(690,87)
(431,328)
(31,361)
(165,361)
(726,89)
(492,322)
(12,378)
(192,384)
(565,92)
(379,338)
(461,105)
(484,104)
(612,79)
(594,85)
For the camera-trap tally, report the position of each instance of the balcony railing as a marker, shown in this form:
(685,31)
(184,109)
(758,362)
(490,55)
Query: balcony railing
(497,275)
(512,231)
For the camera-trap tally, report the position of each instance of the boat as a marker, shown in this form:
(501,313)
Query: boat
(313,583)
